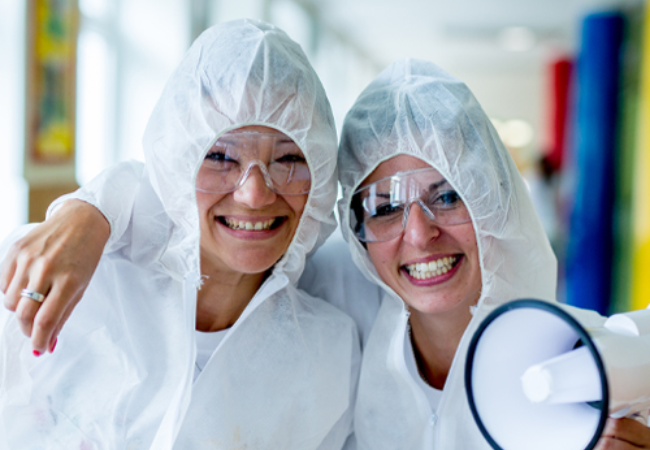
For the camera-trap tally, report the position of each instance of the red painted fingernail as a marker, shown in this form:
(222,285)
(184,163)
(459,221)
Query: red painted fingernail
(36,353)
(54,345)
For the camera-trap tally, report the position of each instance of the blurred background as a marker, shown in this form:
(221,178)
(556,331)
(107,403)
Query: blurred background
(566,83)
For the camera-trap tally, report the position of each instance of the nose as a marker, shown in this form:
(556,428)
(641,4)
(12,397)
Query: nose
(419,229)
(254,193)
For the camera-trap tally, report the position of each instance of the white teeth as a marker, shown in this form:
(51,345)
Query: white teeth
(422,271)
(241,225)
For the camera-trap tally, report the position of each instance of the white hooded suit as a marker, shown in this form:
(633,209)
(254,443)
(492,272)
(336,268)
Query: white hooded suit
(415,108)
(284,375)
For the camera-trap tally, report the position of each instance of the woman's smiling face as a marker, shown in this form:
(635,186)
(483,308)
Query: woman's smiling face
(406,262)
(248,230)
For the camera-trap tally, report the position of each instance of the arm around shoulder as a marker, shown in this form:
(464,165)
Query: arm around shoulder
(58,258)
(113,194)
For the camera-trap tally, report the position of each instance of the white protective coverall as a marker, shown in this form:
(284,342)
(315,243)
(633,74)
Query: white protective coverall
(121,377)
(415,108)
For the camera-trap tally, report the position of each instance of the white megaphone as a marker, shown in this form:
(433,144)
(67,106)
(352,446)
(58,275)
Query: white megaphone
(537,379)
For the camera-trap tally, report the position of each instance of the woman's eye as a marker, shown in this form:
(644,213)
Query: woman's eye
(448,199)
(387,209)
(215,156)
(218,157)
(219,161)
(291,158)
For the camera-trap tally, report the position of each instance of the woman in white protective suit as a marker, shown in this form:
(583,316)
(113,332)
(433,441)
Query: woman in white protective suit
(436,213)
(192,333)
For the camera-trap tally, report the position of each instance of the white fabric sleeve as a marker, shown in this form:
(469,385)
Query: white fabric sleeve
(113,193)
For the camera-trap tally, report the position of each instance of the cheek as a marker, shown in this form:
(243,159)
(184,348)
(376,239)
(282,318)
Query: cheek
(468,238)
(205,202)
(297,203)
(381,255)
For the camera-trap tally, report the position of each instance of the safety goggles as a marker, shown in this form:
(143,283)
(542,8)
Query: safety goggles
(234,155)
(379,211)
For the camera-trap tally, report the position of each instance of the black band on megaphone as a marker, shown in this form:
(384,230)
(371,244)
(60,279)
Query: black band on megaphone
(580,331)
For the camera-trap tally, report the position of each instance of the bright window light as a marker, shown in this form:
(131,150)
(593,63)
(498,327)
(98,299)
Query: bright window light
(13,188)
(93,106)
(294,20)
(517,39)
(95,9)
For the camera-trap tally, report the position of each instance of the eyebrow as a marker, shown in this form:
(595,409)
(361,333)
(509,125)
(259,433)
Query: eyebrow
(281,139)
(434,186)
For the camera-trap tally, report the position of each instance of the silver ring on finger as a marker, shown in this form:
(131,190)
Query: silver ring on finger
(33,295)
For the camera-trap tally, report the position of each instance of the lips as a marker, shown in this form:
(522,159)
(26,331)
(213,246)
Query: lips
(251,225)
(248,228)
(426,270)
(434,271)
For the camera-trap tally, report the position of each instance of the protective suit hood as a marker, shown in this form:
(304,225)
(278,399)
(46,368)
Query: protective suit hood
(267,81)
(415,108)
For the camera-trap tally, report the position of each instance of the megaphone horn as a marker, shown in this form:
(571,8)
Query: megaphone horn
(537,379)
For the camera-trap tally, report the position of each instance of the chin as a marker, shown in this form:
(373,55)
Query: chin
(254,264)
(428,304)
(433,309)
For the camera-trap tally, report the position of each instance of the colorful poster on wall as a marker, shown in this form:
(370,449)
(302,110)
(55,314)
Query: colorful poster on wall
(53,27)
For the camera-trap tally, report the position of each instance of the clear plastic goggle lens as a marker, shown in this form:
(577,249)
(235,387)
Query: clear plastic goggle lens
(379,211)
(233,157)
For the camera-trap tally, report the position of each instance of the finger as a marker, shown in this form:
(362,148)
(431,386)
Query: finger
(51,316)
(27,308)
(62,322)
(610,443)
(627,431)
(55,338)
(624,428)
(18,281)
(25,312)
(7,272)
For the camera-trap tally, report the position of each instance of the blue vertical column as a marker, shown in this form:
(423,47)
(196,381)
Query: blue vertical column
(590,244)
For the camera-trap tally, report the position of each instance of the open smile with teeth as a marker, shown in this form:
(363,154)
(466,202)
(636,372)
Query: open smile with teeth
(252,226)
(423,271)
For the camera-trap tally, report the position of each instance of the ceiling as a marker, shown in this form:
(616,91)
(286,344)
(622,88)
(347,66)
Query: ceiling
(500,48)
(474,31)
